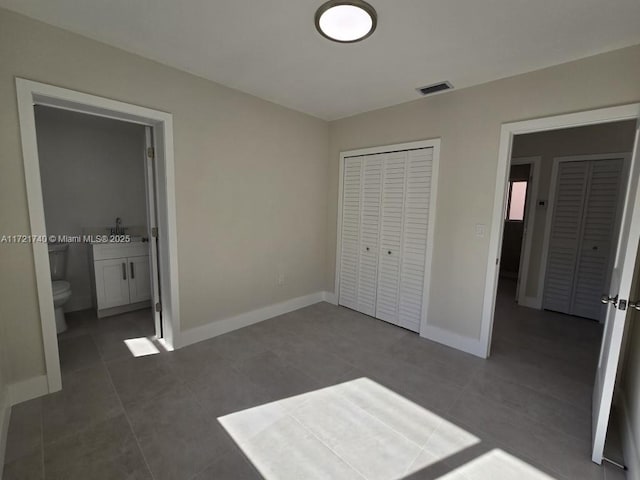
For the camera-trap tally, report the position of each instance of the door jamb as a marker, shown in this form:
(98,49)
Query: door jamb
(530,217)
(31,93)
(507,132)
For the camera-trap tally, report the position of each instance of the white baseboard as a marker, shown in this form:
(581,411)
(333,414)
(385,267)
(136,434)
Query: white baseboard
(5,415)
(27,389)
(629,442)
(226,325)
(469,345)
(531,302)
(330,297)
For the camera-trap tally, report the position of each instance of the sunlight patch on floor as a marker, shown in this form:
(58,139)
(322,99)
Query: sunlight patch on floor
(140,347)
(496,465)
(357,429)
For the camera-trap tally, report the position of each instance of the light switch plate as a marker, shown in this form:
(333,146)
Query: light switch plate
(480,229)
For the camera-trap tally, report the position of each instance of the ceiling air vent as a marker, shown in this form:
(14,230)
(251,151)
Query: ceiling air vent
(435,88)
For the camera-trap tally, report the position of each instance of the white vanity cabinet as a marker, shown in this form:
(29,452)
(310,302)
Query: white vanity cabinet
(122,278)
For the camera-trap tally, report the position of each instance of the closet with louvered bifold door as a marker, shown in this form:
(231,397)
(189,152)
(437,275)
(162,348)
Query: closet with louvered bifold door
(583,232)
(385,220)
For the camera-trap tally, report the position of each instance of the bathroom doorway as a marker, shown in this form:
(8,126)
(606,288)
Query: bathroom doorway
(129,263)
(99,213)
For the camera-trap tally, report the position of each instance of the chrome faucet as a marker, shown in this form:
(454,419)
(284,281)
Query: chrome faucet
(118,230)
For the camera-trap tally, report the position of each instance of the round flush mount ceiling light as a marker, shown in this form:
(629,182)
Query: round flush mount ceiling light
(346,21)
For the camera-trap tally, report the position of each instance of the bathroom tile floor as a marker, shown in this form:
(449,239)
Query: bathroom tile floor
(316,393)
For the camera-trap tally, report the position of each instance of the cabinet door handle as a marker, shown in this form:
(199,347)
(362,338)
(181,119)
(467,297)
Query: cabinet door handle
(132,275)
(124,271)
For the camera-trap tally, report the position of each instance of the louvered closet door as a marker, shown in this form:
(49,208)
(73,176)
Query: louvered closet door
(565,236)
(598,233)
(369,233)
(414,238)
(350,234)
(391,225)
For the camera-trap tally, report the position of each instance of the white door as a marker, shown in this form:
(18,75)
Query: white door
(621,279)
(370,198)
(112,282)
(139,279)
(414,237)
(350,233)
(391,225)
(152,223)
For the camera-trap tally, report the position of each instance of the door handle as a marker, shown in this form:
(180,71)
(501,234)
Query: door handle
(124,271)
(635,304)
(132,274)
(607,299)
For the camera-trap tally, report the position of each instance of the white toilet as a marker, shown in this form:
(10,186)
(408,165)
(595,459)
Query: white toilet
(61,288)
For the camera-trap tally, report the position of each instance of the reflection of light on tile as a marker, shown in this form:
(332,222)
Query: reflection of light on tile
(140,347)
(496,465)
(357,429)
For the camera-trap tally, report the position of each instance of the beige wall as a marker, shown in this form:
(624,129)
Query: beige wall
(631,390)
(594,139)
(3,373)
(468,122)
(92,171)
(251,182)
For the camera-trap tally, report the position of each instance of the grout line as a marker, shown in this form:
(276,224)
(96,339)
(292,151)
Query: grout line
(327,446)
(126,416)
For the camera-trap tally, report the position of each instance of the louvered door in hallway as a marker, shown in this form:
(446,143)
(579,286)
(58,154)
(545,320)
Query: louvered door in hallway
(583,232)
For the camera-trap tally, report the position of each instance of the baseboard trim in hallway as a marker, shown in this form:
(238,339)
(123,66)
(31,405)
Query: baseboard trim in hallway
(220,327)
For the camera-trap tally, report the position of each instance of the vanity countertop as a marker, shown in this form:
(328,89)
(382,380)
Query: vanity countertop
(109,250)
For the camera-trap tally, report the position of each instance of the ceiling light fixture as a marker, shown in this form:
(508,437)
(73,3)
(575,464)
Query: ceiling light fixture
(346,21)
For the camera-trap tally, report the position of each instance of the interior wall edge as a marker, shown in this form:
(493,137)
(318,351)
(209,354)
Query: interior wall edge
(630,444)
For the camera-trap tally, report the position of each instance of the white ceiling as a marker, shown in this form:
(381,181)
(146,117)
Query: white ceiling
(270,48)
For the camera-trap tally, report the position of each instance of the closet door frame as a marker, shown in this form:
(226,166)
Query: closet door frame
(433,143)
(553,185)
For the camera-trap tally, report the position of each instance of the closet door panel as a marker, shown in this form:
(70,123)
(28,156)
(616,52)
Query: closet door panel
(369,233)
(598,232)
(391,225)
(565,236)
(414,240)
(350,234)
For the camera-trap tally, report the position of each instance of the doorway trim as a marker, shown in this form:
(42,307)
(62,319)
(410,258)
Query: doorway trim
(507,132)
(529,224)
(31,93)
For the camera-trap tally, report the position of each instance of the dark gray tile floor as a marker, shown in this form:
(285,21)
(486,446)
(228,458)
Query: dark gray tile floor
(155,417)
